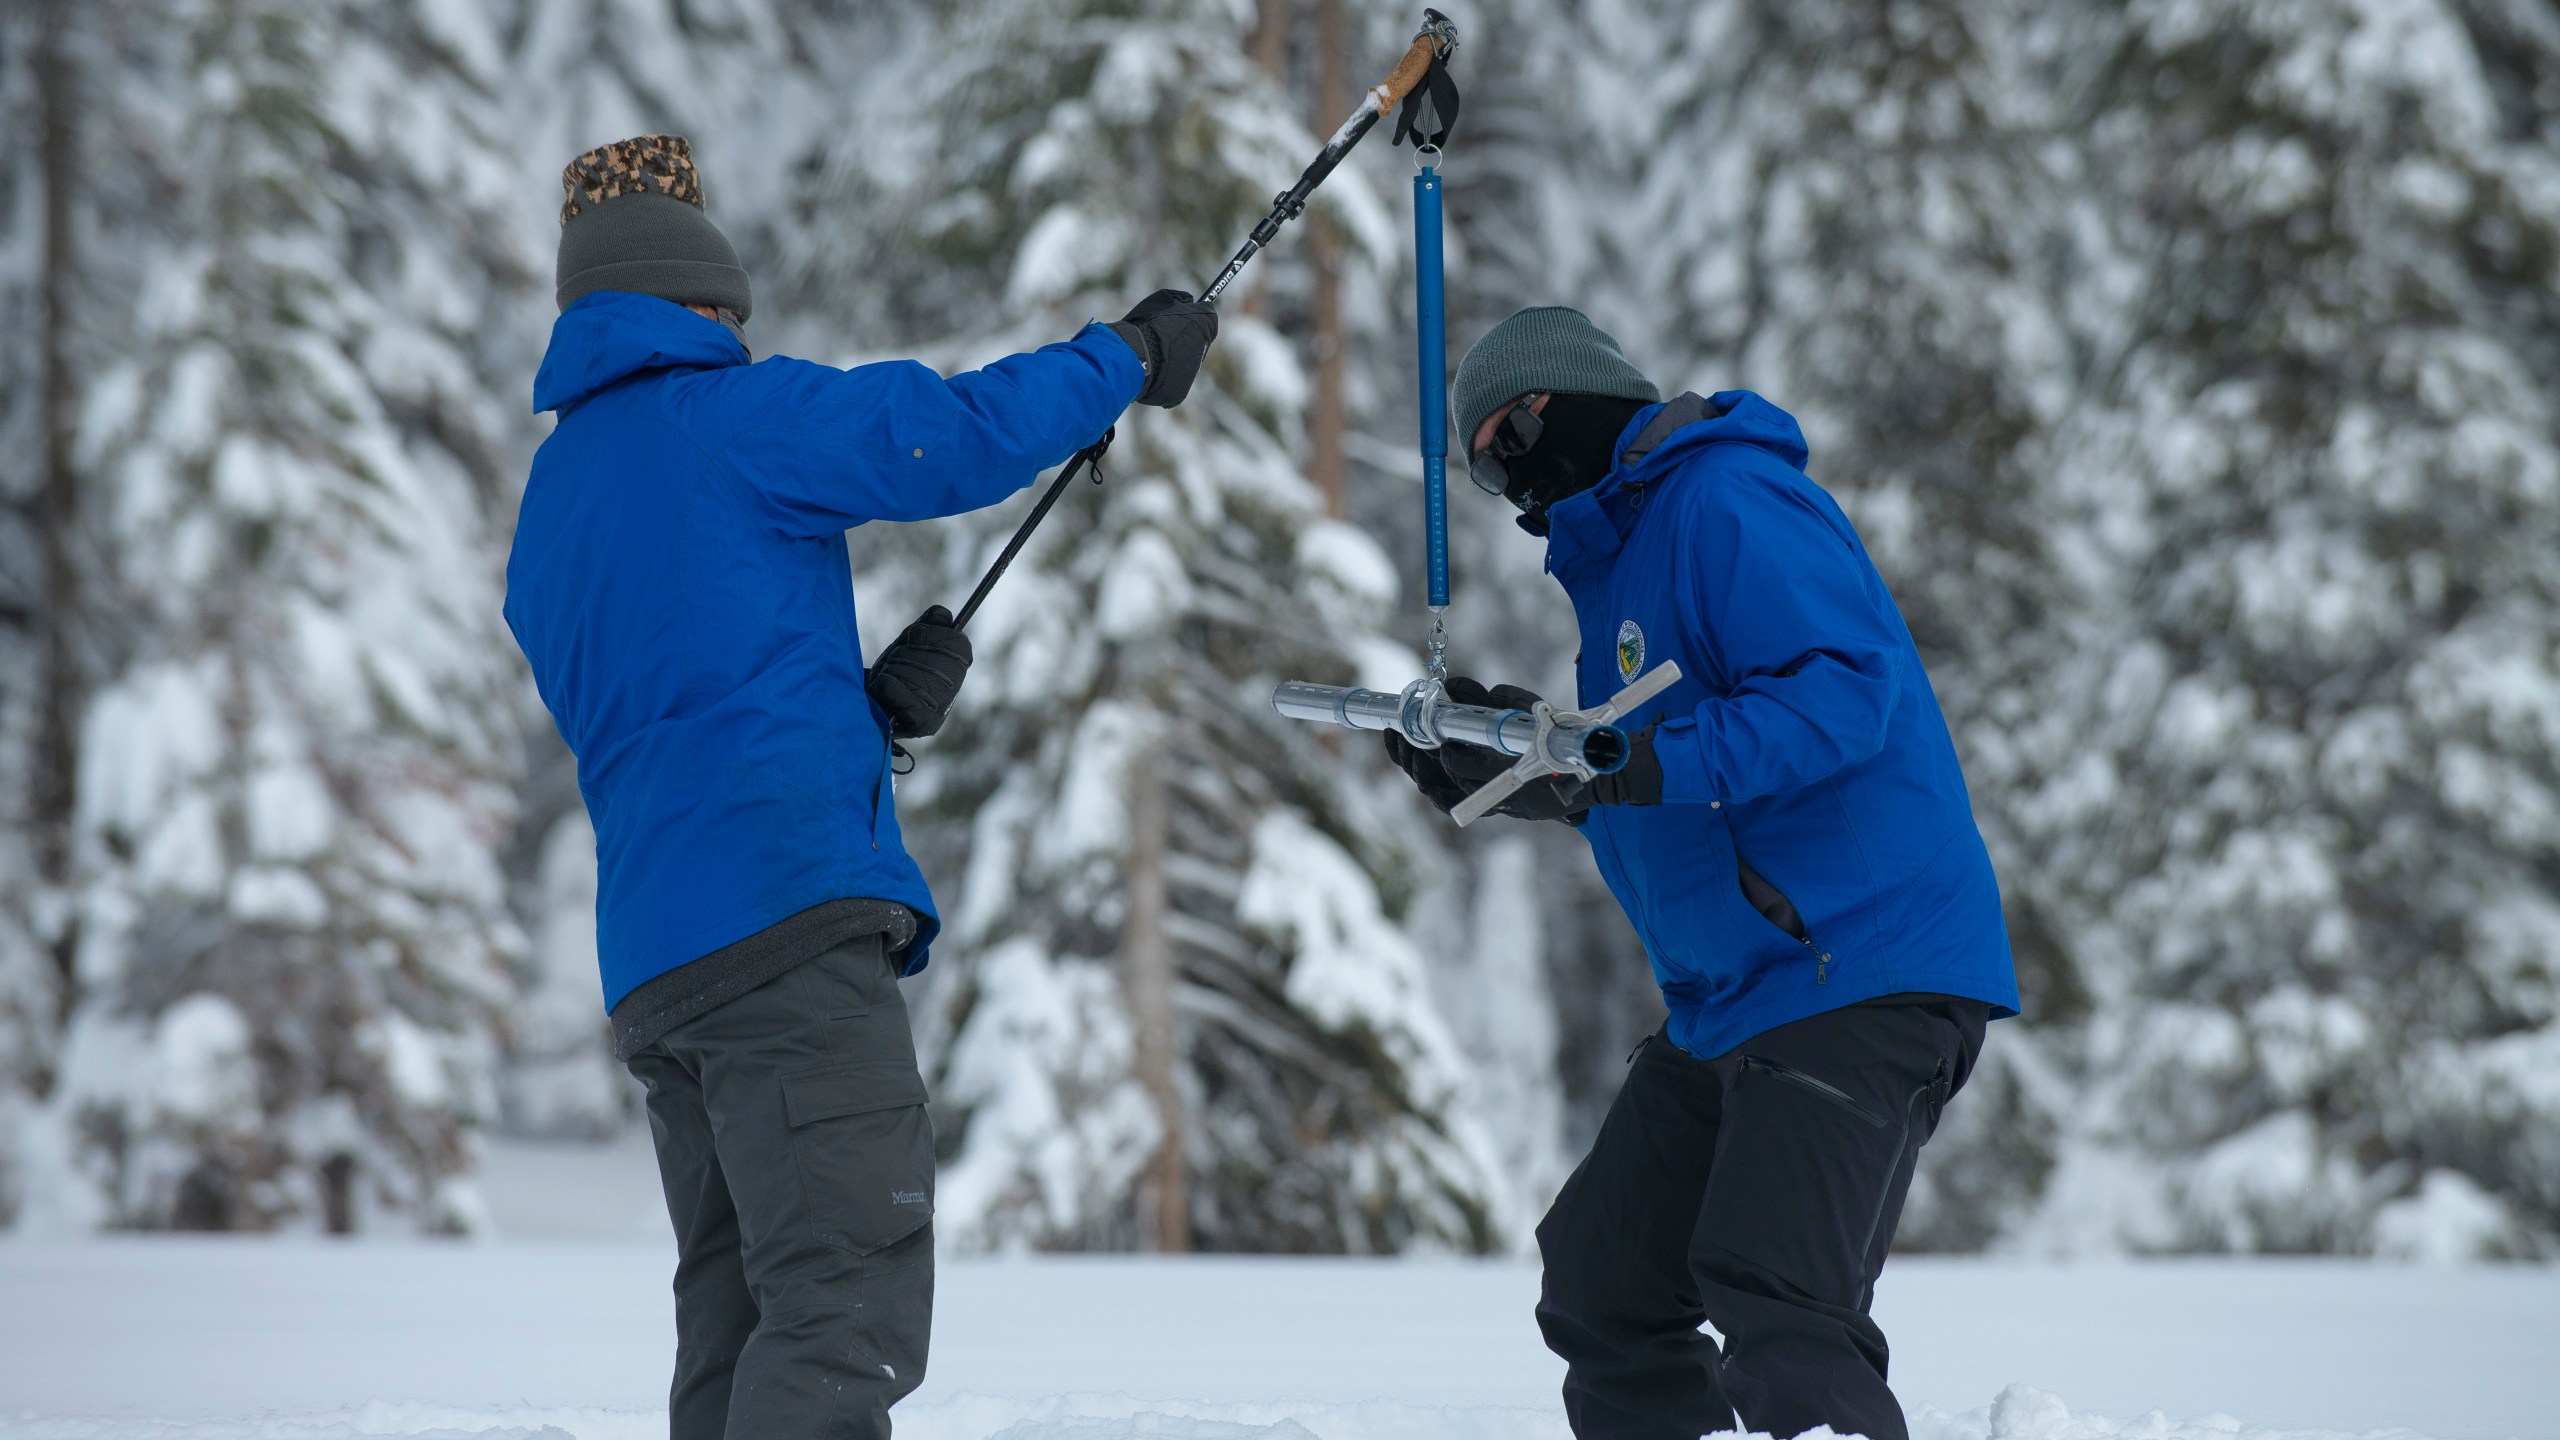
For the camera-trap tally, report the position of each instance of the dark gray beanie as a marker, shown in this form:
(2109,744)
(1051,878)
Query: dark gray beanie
(633,220)
(1545,347)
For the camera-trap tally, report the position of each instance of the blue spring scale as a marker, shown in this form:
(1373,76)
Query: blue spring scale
(1431,360)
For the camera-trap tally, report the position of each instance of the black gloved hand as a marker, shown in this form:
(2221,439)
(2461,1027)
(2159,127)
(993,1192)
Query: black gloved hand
(1430,771)
(1455,771)
(918,676)
(1171,333)
(1638,782)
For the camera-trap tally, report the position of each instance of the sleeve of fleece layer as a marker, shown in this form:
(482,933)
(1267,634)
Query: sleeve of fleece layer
(824,450)
(1806,629)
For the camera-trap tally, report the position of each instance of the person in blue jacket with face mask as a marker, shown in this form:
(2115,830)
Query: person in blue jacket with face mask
(1791,838)
(680,585)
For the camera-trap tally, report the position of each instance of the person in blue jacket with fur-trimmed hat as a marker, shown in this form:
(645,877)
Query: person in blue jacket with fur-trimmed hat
(680,584)
(1791,838)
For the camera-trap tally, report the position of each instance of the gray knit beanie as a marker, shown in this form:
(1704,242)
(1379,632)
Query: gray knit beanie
(1545,347)
(632,220)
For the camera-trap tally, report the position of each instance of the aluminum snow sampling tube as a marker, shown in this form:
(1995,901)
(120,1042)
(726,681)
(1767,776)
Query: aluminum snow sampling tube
(1428,719)
(1545,740)
(1436,40)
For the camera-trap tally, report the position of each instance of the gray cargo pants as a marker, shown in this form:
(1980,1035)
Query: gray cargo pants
(798,1166)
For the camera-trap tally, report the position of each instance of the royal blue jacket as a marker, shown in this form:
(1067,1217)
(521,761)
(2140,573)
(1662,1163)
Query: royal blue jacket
(1802,740)
(680,584)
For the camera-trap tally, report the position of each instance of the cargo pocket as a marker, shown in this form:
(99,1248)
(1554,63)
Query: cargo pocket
(1799,1180)
(865,1151)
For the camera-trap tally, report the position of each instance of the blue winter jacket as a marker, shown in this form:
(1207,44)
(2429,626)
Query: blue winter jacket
(680,584)
(1802,740)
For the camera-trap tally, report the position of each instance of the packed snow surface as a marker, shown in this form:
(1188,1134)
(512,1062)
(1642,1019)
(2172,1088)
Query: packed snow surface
(569,1340)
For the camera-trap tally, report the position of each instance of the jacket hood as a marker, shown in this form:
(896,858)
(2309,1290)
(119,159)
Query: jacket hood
(605,338)
(1743,418)
(1596,522)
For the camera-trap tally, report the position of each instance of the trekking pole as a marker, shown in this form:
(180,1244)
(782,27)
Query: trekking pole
(1432,46)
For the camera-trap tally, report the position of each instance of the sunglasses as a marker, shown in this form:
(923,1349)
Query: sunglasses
(1490,467)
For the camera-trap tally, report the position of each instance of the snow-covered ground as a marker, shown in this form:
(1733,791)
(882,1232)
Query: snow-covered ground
(175,1339)
(564,1324)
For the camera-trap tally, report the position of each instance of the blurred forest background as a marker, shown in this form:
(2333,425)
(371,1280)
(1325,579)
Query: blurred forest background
(2189,365)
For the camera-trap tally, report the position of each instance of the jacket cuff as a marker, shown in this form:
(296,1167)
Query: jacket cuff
(1117,356)
(1681,748)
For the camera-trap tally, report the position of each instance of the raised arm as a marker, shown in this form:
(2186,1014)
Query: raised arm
(825,450)
(1803,624)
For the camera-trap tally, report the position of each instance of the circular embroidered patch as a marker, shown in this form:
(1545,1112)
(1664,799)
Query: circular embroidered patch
(1630,650)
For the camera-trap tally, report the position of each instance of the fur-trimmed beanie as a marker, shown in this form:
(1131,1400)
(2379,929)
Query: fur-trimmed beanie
(632,219)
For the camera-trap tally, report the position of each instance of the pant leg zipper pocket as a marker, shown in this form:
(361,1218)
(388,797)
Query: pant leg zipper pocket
(1818,1086)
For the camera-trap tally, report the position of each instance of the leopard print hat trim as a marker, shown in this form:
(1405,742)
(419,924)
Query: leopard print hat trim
(641,165)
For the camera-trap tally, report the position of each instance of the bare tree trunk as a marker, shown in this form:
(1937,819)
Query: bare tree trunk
(1326,419)
(1146,972)
(1269,47)
(57,512)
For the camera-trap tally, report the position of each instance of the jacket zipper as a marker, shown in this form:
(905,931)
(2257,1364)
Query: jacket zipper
(1818,1086)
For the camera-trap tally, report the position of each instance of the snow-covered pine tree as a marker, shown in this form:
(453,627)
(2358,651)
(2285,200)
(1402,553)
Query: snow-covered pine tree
(34,90)
(1122,814)
(293,770)
(759,86)
(1478,912)
(2306,844)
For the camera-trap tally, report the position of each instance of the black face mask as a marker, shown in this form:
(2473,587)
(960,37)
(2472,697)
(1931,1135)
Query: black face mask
(1575,451)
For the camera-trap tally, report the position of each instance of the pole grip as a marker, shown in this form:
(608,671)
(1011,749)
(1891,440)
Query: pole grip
(1408,72)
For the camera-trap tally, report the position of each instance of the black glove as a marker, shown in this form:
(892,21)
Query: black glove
(1455,771)
(1638,782)
(1171,333)
(918,676)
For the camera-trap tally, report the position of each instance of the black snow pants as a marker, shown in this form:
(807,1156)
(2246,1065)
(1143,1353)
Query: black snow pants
(798,1165)
(1758,1191)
